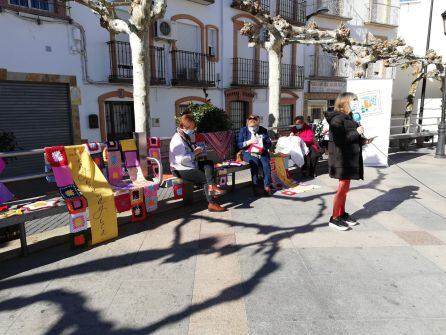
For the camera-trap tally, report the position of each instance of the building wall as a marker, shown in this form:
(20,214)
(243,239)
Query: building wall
(416,36)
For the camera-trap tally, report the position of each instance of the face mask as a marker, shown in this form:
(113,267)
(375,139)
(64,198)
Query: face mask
(253,129)
(354,106)
(190,132)
(298,126)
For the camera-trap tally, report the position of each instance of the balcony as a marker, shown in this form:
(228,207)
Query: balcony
(378,71)
(292,76)
(383,14)
(338,9)
(264,4)
(294,11)
(192,69)
(204,2)
(121,68)
(48,8)
(255,73)
(327,66)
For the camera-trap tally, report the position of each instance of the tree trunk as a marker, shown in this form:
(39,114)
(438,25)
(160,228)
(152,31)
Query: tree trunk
(141,81)
(410,100)
(275,61)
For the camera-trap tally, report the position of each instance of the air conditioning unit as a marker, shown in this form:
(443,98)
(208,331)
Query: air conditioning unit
(165,30)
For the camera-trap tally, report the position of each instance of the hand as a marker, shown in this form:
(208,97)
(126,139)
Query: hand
(292,134)
(198,151)
(369,140)
(360,130)
(252,141)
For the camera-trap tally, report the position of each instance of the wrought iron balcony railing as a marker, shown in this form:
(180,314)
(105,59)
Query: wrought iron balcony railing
(294,11)
(255,73)
(265,5)
(121,68)
(325,65)
(382,13)
(192,69)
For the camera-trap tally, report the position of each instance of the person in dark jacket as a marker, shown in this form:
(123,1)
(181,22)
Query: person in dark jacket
(255,143)
(344,154)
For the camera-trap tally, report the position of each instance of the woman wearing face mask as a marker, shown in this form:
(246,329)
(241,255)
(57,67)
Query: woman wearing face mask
(344,154)
(184,164)
(306,133)
(255,143)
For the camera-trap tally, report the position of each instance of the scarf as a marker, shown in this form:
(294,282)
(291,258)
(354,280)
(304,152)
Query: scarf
(186,139)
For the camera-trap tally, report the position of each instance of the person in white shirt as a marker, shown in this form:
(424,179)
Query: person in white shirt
(185,162)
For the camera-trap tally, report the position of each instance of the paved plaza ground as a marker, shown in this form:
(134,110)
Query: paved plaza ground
(267,266)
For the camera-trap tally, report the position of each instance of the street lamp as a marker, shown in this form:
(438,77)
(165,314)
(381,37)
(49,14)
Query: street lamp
(439,153)
(321,10)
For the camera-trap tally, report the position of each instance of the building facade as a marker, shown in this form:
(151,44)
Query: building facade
(64,79)
(326,76)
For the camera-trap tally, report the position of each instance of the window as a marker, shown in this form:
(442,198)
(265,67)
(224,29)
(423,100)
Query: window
(238,115)
(212,41)
(285,115)
(35,4)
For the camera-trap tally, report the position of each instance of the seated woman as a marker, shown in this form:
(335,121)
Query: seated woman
(255,142)
(305,132)
(185,162)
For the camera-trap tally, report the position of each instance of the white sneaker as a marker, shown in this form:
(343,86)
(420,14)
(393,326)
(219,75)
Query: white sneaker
(349,220)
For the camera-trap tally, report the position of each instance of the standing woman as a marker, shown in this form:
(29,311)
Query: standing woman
(344,154)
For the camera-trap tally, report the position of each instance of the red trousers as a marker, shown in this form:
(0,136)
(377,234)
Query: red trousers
(340,198)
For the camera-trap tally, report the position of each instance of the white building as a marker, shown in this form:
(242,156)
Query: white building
(326,75)
(414,18)
(64,79)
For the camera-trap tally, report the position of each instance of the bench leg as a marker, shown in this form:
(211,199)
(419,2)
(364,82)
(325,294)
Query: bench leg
(233,181)
(188,194)
(23,244)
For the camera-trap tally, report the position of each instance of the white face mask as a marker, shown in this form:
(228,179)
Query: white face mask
(253,129)
(354,106)
(190,132)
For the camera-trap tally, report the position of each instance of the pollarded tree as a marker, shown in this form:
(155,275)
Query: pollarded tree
(143,13)
(276,33)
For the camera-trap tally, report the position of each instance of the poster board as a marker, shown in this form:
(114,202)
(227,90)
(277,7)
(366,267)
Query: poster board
(375,100)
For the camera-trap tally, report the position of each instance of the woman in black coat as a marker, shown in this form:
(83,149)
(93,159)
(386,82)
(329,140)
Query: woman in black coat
(344,154)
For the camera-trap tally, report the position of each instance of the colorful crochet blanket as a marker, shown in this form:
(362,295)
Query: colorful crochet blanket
(220,141)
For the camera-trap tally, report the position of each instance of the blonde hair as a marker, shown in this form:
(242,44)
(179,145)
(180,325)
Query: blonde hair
(342,103)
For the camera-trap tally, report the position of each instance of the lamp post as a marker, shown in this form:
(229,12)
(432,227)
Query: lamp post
(439,153)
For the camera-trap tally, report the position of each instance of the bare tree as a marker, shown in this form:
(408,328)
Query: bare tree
(276,33)
(143,13)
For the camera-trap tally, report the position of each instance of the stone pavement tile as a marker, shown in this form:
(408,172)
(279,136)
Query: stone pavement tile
(438,326)
(215,266)
(67,302)
(218,328)
(270,266)
(398,261)
(284,299)
(393,221)
(277,328)
(347,261)
(165,265)
(440,234)
(425,294)
(362,298)
(421,216)
(150,304)
(347,239)
(419,238)
(216,241)
(252,239)
(435,253)
(390,327)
